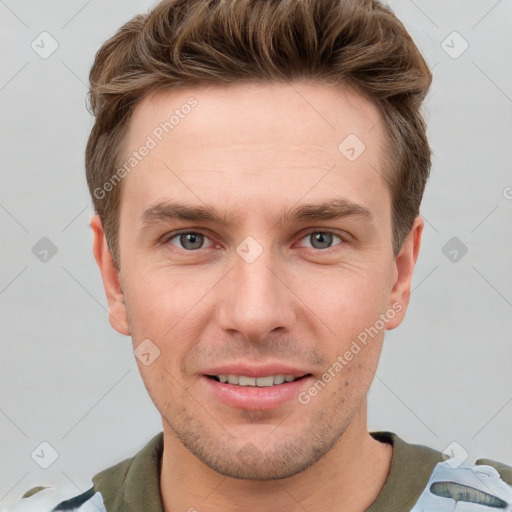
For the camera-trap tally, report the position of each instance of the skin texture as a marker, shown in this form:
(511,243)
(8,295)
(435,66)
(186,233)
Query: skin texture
(258,150)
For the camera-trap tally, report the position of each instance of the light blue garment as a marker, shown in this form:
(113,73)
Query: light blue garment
(47,500)
(464,488)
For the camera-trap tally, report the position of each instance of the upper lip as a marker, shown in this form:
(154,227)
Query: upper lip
(252,370)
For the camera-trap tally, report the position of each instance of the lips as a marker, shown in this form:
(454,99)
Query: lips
(260,387)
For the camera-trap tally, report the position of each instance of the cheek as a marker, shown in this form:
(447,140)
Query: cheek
(156,290)
(346,301)
(166,307)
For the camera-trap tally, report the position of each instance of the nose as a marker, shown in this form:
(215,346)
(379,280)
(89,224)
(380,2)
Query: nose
(257,298)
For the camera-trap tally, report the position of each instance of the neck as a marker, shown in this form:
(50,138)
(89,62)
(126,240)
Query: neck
(349,477)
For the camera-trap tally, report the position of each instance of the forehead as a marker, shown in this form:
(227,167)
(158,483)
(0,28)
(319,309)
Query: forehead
(255,141)
(306,113)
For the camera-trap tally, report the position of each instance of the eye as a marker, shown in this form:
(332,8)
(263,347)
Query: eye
(187,240)
(194,240)
(321,240)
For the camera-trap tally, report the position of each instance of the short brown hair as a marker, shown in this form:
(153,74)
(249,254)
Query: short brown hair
(355,43)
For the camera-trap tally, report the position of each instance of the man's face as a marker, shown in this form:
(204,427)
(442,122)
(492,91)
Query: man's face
(266,293)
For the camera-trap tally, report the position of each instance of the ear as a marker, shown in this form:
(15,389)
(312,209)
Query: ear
(111,280)
(404,265)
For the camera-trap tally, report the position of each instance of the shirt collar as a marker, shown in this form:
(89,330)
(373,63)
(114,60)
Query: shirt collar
(134,484)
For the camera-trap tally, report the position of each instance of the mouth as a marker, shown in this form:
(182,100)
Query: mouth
(255,393)
(267,381)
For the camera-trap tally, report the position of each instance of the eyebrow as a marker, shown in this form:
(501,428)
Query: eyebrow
(327,210)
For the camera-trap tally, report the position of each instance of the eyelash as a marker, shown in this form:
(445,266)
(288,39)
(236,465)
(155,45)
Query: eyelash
(175,234)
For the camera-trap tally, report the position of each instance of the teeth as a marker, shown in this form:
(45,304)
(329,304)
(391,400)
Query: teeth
(246,381)
(265,381)
(243,380)
(232,379)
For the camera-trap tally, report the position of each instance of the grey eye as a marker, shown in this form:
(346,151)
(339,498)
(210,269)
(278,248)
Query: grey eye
(190,241)
(321,239)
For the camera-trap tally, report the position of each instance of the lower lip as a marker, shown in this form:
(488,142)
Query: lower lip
(256,398)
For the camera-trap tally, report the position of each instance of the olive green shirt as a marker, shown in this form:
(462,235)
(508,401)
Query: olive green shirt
(133,485)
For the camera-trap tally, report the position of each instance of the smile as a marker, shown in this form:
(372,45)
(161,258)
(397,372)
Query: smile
(254,393)
(243,380)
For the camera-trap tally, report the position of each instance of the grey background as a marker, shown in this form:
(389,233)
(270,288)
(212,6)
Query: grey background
(69,379)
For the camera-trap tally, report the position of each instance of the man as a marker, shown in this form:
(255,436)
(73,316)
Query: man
(257,169)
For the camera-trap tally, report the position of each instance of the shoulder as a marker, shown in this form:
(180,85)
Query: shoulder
(63,498)
(410,453)
(427,479)
(483,485)
(103,492)
(504,470)
(69,497)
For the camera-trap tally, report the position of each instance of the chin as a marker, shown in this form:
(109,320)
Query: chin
(272,467)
